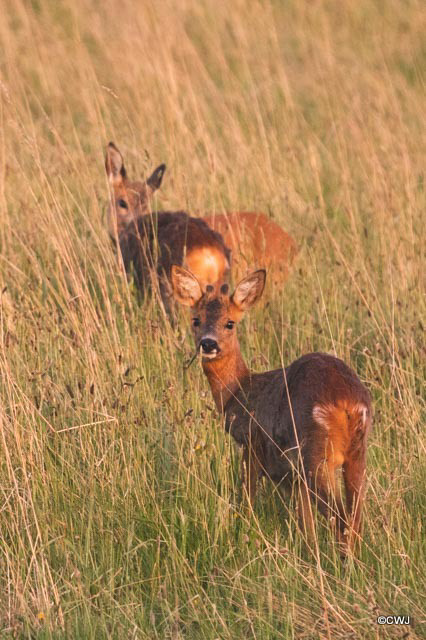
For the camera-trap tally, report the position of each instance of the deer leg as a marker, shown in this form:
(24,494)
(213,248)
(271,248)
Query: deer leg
(251,463)
(305,515)
(324,492)
(250,472)
(166,294)
(329,502)
(354,474)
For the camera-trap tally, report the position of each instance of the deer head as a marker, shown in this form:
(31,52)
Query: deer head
(215,313)
(128,200)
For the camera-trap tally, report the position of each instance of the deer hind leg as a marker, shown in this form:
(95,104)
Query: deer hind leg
(305,512)
(329,501)
(354,474)
(321,491)
(333,422)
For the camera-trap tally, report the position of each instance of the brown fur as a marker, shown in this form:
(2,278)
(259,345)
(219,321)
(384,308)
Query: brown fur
(257,240)
(298,425)
(151,242)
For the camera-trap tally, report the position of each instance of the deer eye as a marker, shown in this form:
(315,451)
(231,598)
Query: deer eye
(229,324)
(123,204)
(196,322)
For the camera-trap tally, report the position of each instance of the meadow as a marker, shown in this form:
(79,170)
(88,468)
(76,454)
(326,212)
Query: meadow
(120,510)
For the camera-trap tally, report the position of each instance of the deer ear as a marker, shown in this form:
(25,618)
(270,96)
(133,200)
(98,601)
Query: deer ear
(114,165)
(186,288)
(154,180)
(249,290)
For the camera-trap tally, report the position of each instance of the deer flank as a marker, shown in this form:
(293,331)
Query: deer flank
(257,240)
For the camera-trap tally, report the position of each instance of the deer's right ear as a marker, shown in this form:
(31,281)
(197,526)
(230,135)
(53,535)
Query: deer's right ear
(249,290)
(114,165)
(186,288)
(154,180)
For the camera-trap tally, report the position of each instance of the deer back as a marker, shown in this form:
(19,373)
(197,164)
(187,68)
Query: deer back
(257,240)
(316,405)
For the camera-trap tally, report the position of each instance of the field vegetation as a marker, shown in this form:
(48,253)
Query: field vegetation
(120,511)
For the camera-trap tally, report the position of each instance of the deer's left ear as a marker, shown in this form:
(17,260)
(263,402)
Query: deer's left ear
(186,288)
(114,165)
(154,180)
(249,290)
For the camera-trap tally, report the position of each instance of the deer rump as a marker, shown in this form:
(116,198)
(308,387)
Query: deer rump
(154,242)
(318,408)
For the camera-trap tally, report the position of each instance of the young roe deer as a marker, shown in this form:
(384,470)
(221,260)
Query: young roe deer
(152,242)
(298,424)
(255,239)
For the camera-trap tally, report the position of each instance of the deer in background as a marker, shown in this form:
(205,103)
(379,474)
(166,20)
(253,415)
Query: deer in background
(299,424)
(151,242)
(255,239)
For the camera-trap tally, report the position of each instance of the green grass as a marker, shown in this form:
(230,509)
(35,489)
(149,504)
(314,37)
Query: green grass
(120,512)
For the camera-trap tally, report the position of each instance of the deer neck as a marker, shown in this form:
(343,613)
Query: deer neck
(225,376)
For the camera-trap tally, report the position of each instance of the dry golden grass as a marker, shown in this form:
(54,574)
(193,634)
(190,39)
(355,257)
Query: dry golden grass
(119,512)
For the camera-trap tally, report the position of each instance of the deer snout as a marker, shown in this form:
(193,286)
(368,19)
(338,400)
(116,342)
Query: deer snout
(208,346)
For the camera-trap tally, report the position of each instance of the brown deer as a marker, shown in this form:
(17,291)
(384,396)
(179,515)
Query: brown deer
(151,242)
(299,424)
(255,239)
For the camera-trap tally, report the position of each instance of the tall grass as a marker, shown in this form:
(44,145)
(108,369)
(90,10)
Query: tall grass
(119,507)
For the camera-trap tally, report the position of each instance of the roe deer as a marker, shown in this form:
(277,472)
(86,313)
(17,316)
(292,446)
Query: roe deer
(152,242)
(301,423)
(255,239)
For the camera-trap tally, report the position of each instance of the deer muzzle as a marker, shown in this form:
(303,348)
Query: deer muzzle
(209,348)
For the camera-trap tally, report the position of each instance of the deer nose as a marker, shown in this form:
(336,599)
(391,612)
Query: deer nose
(208,345)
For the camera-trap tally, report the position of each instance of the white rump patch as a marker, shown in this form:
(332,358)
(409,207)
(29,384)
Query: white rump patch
(321,414)
(362,410)
(209,257)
